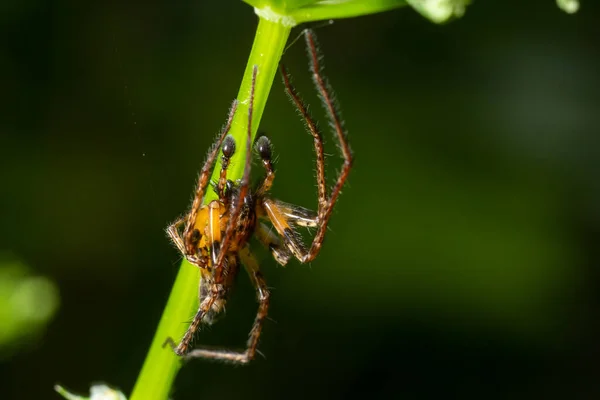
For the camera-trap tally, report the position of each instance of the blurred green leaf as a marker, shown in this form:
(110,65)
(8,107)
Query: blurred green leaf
(440,11)
(568,6)
(27,302)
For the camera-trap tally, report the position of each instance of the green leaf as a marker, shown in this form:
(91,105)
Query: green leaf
(294,12)
(568,6)
(440,11)
(28,302)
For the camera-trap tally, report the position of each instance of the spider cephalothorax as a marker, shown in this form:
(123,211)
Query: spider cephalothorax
(215,236)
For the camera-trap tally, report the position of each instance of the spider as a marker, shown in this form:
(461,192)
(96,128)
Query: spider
(215,236)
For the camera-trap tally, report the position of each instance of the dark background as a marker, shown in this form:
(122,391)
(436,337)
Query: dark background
(462,260)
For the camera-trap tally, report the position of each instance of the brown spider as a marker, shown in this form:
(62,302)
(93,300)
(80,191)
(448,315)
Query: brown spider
(215,236)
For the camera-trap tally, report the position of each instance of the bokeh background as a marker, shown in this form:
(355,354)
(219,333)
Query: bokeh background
(462,260)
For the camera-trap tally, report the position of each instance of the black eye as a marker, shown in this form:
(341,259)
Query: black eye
(263,147)
(228,147)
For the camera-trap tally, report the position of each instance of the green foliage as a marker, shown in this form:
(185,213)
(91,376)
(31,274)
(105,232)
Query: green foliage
(440,11)
(568,6)
(27,303)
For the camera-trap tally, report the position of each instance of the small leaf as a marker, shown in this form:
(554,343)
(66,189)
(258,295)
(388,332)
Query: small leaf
(440,11)
(28,302)
(568,6)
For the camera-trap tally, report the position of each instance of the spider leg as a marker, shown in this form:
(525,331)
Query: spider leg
(243,188)
(262,294)
(174,233)
(297,215)
(219,282)
(205,306)
(282,224)
(204,178)
(180,240)
(228,151)
(280,214)
(264,234)
(212,295)
(315,133)
(325,203)
(263,148)
(173,230)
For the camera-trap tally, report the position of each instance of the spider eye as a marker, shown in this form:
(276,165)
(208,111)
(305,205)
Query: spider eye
(263,147)
(228,146)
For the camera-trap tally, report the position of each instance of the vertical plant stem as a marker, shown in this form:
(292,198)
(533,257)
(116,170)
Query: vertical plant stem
(161,365)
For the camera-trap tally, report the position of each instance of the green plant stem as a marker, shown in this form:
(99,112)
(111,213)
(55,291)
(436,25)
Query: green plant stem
(161,365)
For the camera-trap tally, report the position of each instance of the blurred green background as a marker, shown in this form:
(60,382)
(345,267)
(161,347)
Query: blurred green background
(462,260)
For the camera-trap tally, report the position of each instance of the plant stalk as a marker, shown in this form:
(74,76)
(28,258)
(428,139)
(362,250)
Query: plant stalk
(161,365)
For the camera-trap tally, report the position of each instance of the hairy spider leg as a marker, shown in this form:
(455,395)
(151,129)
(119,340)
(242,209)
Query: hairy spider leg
(262,294)
(315,133)
(190,242)
(264,149)
(280,214)
(269,208)
(325,93)
(211,303)
(228,150)
(173,230)
(270,240)
(284,217)
(325,203)
(244,184)
(297,215)
(265,235)
(208,216)
(222,278)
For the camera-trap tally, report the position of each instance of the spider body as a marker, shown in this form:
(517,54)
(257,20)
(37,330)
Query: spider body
(215,237)
(211,222)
